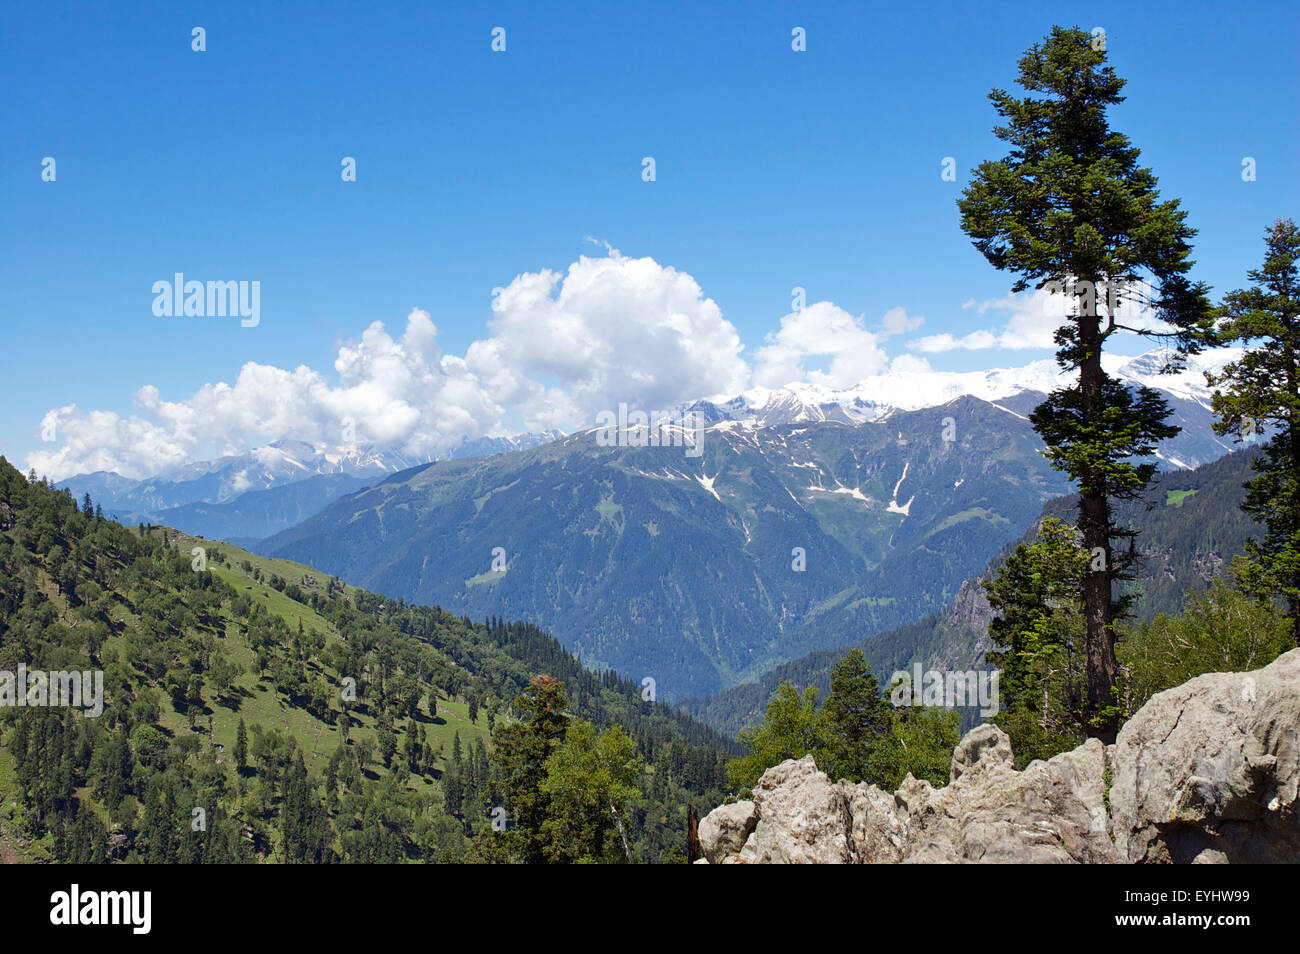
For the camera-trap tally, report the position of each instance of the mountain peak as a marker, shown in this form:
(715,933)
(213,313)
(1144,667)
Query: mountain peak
(910,389)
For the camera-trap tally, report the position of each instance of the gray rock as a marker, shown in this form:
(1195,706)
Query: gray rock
(1206,773)
(724,830)
(802,818)
(1209,770)
(1053,812)
(983,748)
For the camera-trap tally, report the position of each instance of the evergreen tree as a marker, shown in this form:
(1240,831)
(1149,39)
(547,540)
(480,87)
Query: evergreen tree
(387,741)
(1069,208)
(241,747)
(855,720)
(1037,595)
(304,828)
(1262,391)
(520,753)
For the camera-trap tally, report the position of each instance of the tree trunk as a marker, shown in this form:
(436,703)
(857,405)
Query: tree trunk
(693,850)
(1293,387)
(1094,523)
(621,833)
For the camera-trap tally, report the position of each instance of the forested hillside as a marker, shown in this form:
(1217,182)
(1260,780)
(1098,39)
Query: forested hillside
(700,571)
(257,710)
(1191,526)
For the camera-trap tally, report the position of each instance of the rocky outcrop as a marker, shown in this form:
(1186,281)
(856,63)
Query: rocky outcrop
(1208,771)
(1205,772)
(726,829)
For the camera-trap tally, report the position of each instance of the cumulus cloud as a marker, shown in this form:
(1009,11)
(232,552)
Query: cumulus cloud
(390,391)
(609,330)
(1033,318)
(561,348)
(826,331)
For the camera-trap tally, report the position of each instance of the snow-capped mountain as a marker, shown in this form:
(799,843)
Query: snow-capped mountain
(1016,390)
(913,389)
(263,468)
(700,563)
(903,388)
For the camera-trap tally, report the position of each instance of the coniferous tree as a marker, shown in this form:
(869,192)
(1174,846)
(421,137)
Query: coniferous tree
(1038,631)
(521,751)
(1070,209)
(241,747)
(855,720)
(1261,391)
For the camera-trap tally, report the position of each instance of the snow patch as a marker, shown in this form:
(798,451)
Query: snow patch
(894,506)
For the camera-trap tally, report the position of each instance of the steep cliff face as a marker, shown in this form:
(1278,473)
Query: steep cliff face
(1206,772)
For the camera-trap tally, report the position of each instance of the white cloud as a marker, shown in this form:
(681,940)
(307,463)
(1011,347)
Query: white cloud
(1034,317)
(824,330)
(561,348)
(392,391)
(609,330)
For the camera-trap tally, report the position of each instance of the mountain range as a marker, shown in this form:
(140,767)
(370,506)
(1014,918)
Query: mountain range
(812,518)
(252,495)
(222,497)
(700,571)
(1191,525)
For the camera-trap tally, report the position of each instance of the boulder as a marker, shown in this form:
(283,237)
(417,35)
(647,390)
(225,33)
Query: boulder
(1205,773)
(801,818)
(724,830)
(1208,771)
(1053,812)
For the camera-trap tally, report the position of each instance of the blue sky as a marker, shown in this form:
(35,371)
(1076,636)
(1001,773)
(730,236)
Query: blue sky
(774,169)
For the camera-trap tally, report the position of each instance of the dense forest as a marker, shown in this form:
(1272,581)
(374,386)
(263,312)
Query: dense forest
(1033,636)
(1190,527)
(255,710)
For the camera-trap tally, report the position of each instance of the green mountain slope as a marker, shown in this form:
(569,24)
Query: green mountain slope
(700,571)
(368,720)
(1191,526)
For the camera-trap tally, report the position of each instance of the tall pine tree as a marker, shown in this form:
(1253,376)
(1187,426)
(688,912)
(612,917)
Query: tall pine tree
(241,747)
(520,754)
(1070,209)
